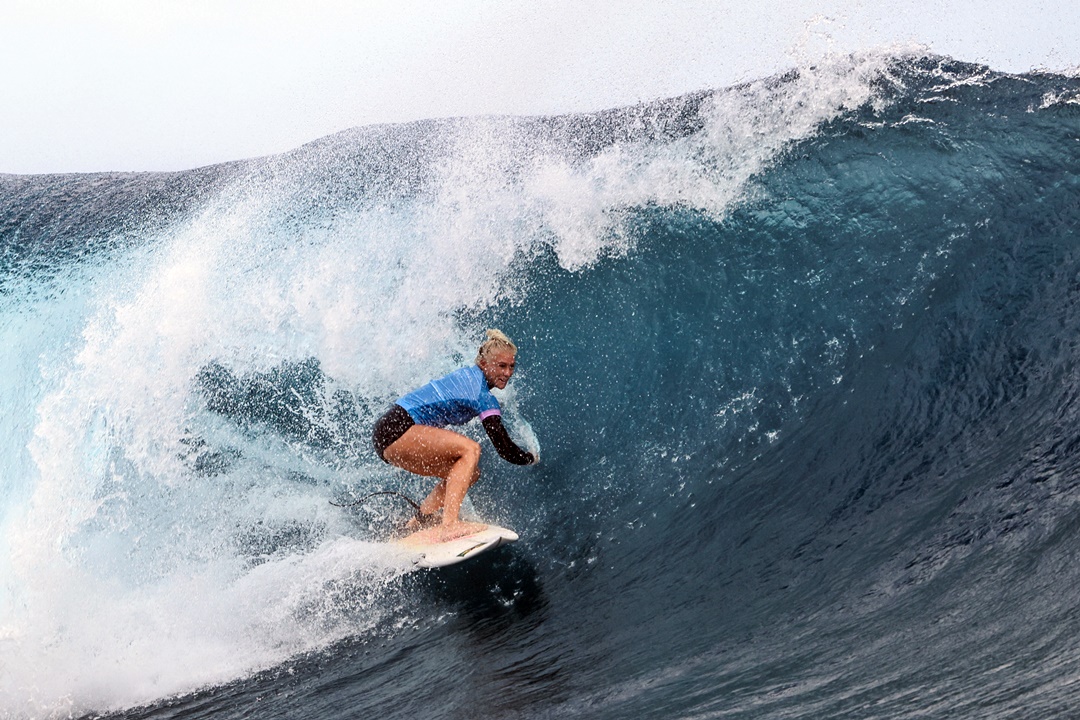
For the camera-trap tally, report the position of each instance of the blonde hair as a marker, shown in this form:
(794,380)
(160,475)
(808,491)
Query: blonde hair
(496,341)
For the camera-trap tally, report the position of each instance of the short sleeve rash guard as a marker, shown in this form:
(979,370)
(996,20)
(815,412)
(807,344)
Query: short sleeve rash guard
(452,400)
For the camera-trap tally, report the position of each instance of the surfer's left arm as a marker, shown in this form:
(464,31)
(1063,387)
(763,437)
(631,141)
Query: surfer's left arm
(508,450)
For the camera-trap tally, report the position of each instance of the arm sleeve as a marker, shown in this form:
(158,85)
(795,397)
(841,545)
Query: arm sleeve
(506,447)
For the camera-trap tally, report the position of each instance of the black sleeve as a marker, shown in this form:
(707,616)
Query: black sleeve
(506,447)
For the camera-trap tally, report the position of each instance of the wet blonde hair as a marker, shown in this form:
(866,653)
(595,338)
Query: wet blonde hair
(496,341)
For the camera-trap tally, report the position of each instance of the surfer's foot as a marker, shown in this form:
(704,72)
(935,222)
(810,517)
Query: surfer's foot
(456,529)
(422,521)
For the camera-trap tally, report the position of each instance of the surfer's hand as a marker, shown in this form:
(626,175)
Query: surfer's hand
(535,458)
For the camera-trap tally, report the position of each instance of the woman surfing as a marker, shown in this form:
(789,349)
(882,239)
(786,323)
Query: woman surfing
(412,434)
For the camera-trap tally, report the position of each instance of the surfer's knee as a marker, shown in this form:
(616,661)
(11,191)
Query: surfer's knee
(469,450)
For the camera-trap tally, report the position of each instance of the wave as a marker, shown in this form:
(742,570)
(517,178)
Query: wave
(797,351)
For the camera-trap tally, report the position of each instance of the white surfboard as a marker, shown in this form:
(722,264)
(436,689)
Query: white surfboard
(430,551)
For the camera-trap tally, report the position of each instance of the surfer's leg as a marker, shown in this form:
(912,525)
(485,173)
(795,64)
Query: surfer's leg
(450,493)
(441,453)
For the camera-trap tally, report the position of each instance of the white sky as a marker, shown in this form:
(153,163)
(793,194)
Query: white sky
(90,85)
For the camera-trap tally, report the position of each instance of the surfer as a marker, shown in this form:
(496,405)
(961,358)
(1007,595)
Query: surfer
(412,434)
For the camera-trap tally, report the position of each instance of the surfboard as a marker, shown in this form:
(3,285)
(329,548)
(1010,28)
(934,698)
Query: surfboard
(477,538)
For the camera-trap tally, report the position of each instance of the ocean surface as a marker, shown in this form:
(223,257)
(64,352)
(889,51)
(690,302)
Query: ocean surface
(801,358)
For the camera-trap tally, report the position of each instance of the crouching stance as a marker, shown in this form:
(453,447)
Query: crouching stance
(412,434)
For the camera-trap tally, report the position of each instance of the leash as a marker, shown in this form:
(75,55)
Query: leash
(381,492)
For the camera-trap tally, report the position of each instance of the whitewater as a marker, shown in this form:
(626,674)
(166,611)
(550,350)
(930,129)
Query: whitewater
(799,356)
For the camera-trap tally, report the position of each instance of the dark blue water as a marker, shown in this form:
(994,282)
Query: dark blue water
(800,357)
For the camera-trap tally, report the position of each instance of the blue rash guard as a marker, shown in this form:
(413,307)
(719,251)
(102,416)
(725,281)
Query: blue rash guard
(454,399)
(451,400)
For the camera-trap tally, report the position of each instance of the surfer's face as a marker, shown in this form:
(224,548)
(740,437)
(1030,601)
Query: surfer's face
(498,367)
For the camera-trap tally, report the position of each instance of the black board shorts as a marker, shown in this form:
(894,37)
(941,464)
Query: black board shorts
(391,426)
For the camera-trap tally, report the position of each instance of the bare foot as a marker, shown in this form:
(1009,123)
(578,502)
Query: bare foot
(421,521)
(450,531)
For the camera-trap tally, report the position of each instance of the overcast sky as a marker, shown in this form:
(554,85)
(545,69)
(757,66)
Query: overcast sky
(90,85)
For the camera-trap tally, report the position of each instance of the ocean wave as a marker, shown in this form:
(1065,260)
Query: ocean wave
(798,352)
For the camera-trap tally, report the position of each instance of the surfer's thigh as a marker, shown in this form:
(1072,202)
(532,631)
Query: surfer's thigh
(431,451)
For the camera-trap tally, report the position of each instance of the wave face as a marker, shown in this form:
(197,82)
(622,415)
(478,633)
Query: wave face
(800,357)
